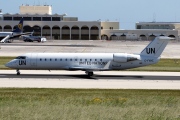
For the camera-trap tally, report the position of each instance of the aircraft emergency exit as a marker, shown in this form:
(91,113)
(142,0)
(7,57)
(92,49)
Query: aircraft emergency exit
(90,62)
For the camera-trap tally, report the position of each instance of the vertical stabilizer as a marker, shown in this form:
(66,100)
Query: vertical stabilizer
(156,47)
(19,27)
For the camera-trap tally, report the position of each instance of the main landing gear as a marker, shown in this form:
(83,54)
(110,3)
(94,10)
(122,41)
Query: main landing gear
(18,72)
(89,73)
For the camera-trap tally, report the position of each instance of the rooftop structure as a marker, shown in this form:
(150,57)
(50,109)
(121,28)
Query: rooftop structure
(27,9)
(158,25)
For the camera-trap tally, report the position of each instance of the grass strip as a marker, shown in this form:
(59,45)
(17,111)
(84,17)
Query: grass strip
(89,104)
(166,65)
(3,61)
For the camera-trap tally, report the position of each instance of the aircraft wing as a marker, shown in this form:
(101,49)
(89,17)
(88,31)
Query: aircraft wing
(20,34)
(85,69)
(106,67)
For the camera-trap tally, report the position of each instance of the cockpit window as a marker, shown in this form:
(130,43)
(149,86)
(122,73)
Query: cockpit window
(21,57)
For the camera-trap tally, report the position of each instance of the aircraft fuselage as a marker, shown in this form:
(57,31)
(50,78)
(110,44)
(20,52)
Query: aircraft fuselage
(79,61)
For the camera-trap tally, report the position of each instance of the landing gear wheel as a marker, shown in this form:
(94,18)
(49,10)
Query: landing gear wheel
(89,73)
(18,72)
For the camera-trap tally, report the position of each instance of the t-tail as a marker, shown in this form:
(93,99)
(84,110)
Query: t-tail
(19,27)
(156,47)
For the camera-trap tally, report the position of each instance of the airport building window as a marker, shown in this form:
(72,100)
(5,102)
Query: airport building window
(46,18)
(27,18)
(36,18)
(56,18)
(138,26)
(7,18)
(17,18)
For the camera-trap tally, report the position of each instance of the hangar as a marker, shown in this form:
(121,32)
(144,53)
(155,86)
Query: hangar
(60,27)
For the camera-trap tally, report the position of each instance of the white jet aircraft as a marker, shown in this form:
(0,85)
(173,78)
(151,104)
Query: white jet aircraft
(90,62)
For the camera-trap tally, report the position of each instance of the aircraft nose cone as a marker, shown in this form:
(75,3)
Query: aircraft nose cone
(8,64)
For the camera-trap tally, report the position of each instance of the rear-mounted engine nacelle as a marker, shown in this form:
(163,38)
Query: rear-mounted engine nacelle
(124,57)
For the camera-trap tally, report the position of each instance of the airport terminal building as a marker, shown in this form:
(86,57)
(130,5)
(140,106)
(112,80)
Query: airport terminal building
(60,27)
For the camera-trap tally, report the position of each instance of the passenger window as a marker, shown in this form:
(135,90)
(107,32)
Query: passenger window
(55,59)
(45,59)
(60,59)
(50,59)
(75,59)
(70,59)
(100,59)
(40,59)
(85,59)
(80,59)
(90,59)
(66,59)
(95,59)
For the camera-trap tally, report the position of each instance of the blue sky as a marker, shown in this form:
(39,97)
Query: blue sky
(127,12)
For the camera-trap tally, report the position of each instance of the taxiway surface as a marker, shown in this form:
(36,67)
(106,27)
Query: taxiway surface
(85,46)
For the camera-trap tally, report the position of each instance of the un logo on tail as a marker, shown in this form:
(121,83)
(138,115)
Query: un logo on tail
(150,50)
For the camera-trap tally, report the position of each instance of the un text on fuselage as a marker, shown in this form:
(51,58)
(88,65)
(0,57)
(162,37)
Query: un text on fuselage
(22,62)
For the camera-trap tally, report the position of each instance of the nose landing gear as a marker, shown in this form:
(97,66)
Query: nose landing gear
(18,72)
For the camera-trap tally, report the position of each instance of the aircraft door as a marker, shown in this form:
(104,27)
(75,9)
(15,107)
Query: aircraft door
(33,59)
